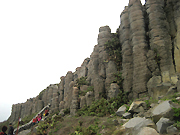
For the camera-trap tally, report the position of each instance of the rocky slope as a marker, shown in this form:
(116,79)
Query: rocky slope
(149,36)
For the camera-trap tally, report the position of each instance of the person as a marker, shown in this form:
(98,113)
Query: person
(34,121)
(46,112)
(39,117)
(11,129)
(4,128)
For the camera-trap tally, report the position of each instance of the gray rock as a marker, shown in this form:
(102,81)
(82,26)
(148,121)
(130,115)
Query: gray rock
(127,115)
(164,109)
(121,110)
(89,98)
(147,131)
(113,90)
(82,101)
(137,106)
(171,90)
(162,125)
(172,130)
(133,122)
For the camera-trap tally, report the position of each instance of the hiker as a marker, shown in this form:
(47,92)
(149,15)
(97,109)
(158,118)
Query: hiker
(11,129)
(39,117)
(46,112)
(34,121)
(4,128)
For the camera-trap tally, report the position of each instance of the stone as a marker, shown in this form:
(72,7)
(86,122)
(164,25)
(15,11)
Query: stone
(121,110)
(162,125)
(171,90)
(137,106)
(133,122)
(172,130)
(148,131)
(127,115)
(174,79)
(164,109)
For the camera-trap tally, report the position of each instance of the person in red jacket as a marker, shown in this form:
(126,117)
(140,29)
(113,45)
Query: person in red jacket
(34,121)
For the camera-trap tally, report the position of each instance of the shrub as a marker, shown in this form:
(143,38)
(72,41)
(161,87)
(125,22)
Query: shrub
(81,81)
(113,48)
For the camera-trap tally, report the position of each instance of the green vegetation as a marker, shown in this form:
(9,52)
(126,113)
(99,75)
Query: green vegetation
(90,130)
(81,81)
(118,79)
(103,107)
(177,117)
(50,124)
(83,93)
(66,111)
(113,48)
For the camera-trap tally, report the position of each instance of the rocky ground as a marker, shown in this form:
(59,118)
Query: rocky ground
(144,116)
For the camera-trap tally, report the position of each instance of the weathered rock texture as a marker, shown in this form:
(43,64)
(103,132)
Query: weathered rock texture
(149,36)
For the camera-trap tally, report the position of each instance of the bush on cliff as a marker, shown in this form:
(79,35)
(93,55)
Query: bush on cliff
(113,48)
(103,107)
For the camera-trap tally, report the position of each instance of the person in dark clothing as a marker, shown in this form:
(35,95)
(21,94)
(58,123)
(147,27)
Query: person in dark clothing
(11,129)
(4,128)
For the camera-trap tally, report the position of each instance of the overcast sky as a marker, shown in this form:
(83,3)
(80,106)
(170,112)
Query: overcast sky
(41,40)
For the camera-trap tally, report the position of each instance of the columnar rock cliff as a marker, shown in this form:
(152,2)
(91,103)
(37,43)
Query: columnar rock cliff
(149,36)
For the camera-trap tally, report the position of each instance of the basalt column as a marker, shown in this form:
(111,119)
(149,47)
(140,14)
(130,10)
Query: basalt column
(68,89)
(160,40)
(127,59)
(141,73)
(177,44)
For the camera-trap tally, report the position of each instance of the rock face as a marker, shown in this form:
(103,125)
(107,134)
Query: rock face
(149,36)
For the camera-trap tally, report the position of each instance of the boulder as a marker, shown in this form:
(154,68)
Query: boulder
(162,125)
(137,123)
(171,130)
(134,122)
(147,131)
(127,115)
(164,109)
(137,106)
(121,110)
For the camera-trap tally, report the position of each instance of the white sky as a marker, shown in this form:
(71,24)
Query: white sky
(41,40)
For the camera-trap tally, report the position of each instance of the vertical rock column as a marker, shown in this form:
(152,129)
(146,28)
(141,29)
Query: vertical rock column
(97,65)
(127,58)
(160,40)
(99,81)
(75,101)
(177,44)
(16,112)
(61,88)
(55,100)
(68,89)
(141,73)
